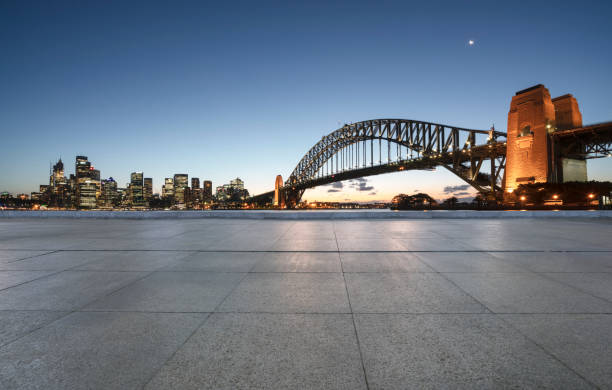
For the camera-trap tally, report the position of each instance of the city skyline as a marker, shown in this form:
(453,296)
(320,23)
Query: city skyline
(85,189)
(170,89)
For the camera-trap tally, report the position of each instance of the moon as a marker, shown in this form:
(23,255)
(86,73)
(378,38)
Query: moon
(471,42)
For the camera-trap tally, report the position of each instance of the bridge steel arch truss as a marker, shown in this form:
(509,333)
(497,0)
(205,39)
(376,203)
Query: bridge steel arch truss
(356,150)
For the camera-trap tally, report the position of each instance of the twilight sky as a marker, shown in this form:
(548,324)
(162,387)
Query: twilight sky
(244,89)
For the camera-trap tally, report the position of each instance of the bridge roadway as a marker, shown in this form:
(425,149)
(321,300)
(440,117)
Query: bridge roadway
(593,141)
(272,304)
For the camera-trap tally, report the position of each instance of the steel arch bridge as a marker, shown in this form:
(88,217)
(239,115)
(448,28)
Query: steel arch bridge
(380,146)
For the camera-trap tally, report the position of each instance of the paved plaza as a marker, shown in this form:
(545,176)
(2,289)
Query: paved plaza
(338,304)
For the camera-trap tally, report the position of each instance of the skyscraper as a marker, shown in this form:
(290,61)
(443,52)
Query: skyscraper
(59,189)
(94,175)
(57,176)
(136,189)
(81,171)
(87,183)
(87,194)
(195,183)
(237,184)
(110,195)
(221,193)
(232,192)
(82,167)
(195,194)
(147,189)
(168,188)
(181,181)
(207,191)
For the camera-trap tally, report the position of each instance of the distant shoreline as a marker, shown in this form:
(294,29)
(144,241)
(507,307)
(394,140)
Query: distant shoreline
(305,214)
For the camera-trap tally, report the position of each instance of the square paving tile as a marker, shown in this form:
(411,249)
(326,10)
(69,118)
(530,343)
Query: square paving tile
(15,324)
(455,352)
(299,262)
(116,244)
(264,351)
(467,262)
(31,242)
(217,262)
(382,262)
(56,261)
(66,290)
(407,293)
(289,293)
(245,243)
(582,341)
(369,244)
(434,244)
(311,231)
(298,244)
(527,293)
(13,278)
(172,292)
(95,351)
(598,284)
(533,240)
(134,261)
(560,261)
(8,256)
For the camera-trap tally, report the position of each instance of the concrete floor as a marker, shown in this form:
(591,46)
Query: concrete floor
(160,304)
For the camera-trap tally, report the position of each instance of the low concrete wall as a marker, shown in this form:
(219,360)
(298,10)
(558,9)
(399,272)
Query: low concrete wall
(305,214)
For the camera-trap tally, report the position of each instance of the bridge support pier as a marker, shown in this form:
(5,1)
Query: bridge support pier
(532,156)
(279,196)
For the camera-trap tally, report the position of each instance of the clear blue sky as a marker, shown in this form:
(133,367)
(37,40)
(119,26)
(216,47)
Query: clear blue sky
(244,89)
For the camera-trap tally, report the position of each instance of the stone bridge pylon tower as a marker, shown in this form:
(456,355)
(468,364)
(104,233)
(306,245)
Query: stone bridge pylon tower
(279,198)
(531,156)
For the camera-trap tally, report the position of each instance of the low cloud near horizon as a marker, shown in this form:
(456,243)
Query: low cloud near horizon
(453,189)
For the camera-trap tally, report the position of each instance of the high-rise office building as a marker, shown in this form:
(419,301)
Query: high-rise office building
(136,189)
(181,181)
(195,194)
(86,174)
(232,192)
(110,195)
(237,184)
(123,196)
(81,171)
(168,188)
(195,183)
(59,191)
(94,175)
(221,193)
(87,194)
(82,167)
(57,175)
(147,189)
(207,191)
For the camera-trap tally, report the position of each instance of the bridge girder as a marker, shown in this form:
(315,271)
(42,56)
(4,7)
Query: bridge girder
(594,141)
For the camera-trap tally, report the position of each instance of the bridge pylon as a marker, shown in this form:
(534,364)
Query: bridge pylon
(279,195)
(531,155)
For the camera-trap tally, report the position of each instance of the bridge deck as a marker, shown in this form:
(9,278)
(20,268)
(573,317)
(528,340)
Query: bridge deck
(598,128)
